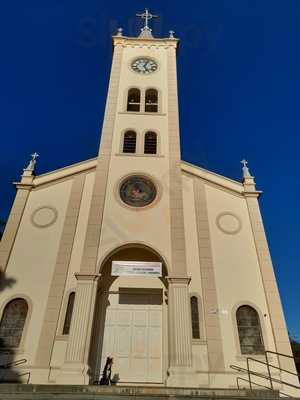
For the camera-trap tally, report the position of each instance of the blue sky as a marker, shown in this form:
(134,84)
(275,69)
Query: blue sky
(239,86)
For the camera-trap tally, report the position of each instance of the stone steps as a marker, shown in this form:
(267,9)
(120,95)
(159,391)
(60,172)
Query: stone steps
(80,392)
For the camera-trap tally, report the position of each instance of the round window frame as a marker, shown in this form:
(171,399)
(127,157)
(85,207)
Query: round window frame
(226,231)
(42,226)
(155,183)
(147,57)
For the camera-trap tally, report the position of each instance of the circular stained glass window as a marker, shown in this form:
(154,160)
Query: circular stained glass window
(137,191)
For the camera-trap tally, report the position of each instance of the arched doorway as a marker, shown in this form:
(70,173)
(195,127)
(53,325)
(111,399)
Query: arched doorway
(130,322)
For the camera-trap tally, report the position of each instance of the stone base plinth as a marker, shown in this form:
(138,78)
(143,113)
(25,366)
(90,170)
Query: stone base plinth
(184,377)
(73,374)
(80,392)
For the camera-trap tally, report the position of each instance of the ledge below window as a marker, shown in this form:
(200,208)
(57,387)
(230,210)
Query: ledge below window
(142,113)
(199,341)
(139,155)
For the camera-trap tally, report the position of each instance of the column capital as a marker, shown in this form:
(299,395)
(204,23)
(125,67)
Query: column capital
(86,277)
(255,193)
(23,186)
(26,181)
(249,183)
(180,280)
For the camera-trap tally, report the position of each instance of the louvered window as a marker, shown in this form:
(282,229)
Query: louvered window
(150,145)
(129,144)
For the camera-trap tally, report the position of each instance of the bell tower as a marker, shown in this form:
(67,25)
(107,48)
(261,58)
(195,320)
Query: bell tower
(140,141)
(137,194)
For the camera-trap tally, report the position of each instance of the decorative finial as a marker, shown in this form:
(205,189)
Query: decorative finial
(146,31)
(246,172)
(120,32)
(32,162)
(171,35)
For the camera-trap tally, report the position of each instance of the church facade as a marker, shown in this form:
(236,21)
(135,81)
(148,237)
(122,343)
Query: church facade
(136,254)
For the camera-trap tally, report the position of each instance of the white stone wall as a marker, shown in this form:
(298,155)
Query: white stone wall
(33,258)
(237,271)
(120,224)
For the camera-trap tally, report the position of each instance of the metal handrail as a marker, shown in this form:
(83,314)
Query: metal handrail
(246,380)
(16,363)
(261,362)
(257,384)
(282,355)
(13,363)
(261,375)
(26,373)
(269,366)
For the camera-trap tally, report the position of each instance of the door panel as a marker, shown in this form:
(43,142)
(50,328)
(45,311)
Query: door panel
(133,336)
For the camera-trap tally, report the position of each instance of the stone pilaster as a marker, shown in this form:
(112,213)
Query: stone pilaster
(57,287)
(276,314)
(76,369)
(180,371)
(175,175)
(92,239)
(180,335)
(15,216)
(210,300)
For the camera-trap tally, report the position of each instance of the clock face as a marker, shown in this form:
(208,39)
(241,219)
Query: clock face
(137,191)
(144,65)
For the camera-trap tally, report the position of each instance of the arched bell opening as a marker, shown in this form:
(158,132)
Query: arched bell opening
(130,320)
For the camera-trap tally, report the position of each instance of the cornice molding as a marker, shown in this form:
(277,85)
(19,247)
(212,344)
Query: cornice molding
(212,177)
(144,42)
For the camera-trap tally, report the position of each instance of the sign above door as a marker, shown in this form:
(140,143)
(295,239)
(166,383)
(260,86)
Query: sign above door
(136,268)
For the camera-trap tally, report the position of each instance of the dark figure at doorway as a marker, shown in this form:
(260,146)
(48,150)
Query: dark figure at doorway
(106,375)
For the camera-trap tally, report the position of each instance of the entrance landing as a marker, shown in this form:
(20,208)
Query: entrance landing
(76,392)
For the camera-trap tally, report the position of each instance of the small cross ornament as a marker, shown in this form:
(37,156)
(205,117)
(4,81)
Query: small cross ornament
(120,32)
(246,172)
(32,162)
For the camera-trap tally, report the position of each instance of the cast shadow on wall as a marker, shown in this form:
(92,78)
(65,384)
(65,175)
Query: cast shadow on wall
(9,360)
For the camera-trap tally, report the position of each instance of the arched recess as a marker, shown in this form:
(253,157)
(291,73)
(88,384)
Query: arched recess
(68,313)
(156,255)
(134,100)
(195,317)
(255,327)
(249,330)
(120,295)
(151,100)
(14,322)
(129,144)
(150,142)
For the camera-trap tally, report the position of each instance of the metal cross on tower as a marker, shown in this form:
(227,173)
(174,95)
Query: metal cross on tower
(246,172)
(147,16)
(244,163)
(32,162)
(34,156)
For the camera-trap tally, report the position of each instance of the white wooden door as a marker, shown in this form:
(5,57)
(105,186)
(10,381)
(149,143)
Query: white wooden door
(133,337)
